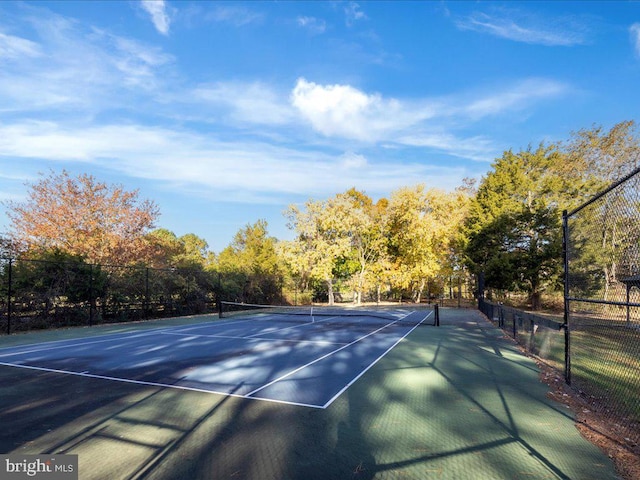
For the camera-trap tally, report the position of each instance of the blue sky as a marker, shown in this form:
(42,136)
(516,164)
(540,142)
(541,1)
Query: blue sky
(224,113)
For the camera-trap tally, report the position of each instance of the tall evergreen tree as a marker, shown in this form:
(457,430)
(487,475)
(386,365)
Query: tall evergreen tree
(514,222)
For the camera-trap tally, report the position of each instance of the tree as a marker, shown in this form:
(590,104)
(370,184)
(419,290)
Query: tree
(168,250)
(319,242)
(514,223)
(337,239)
(453,263)
(420,227)
(164,247)
(603,157)
(7,249)
(195,250)
(364,229)
(55,279)
(250,266)
(82,216)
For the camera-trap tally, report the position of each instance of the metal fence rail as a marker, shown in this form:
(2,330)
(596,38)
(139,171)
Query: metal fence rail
(38,294)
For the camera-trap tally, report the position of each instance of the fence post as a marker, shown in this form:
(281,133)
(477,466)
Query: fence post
(565,261)
(9,299)
(91,299)
(532,341)
(147,301)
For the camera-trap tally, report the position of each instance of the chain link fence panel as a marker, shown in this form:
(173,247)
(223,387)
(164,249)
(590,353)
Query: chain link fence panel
(602,290)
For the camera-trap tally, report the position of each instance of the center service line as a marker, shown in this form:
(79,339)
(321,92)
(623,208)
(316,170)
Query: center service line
(354,380)
(322,357)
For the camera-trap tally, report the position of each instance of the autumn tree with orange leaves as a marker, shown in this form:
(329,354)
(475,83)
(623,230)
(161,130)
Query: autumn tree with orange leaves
(102,223)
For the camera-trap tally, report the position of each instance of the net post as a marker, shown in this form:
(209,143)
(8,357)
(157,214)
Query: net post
(436,312)
(147,299)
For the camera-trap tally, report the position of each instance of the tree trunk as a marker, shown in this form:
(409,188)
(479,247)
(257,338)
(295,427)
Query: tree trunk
(418,296)
(535,300)
(330,291)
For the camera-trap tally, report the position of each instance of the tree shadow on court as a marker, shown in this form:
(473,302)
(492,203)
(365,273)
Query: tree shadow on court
(254,439)
(447,403)
(34,403)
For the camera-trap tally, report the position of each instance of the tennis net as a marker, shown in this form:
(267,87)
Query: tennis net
(331,316)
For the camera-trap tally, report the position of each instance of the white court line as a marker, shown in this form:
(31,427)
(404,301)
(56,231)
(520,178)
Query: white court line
(301,324)
(354,380)
(316,322)
(254,339)
(155,384)
(45,346)
(324,356)
(88,340)
(107,337)
(164,330)
(214,323)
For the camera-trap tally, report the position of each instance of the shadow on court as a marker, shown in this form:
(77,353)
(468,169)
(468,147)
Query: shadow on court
(455,402)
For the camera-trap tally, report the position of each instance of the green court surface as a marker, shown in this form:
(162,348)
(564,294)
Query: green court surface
(452,402)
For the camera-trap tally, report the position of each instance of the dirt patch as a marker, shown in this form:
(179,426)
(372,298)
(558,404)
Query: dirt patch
(613,438)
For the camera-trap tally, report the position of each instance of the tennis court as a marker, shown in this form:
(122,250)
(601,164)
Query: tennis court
(371,397)
(284,356)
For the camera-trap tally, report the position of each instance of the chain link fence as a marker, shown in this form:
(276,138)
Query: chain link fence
(41,294)
(540,335)
(597,340)
(602,299)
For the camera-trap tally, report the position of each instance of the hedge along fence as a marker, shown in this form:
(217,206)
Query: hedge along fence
(39,294)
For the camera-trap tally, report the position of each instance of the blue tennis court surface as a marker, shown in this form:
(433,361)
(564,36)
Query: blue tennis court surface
(309,363)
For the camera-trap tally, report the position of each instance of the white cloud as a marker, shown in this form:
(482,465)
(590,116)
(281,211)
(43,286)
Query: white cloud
(477,148)
(634,30)
(312,24)
(228,171)
(526,28)
(237,16)
(353,13)
(77,77)
(137,63)
(344,111)
(353,161)
(16,47)
(253,102)
(335,109)
(157,9)
(77,68)
(515,97)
